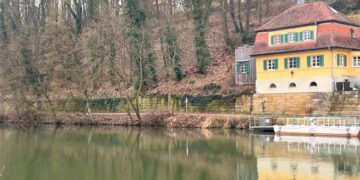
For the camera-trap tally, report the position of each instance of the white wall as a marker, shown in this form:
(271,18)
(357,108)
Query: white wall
(324,84)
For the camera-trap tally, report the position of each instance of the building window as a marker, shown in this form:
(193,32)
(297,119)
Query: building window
(315,61)
(356,61)
(292,85)
(307,36)
(313,84)
(341,60)
(277,39)
(272,86)
(243,68)
(293,62)
(291,37)
(271,64)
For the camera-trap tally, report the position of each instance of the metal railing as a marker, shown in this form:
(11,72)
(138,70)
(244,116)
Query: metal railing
(323,121)
(261,121)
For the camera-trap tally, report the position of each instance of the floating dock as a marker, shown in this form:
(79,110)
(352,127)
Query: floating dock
(262,124)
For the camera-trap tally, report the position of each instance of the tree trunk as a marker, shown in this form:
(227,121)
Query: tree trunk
(232,14)
(248,8)
(88,106)
(157,6)
(260,10)
(227,38)
(267,8)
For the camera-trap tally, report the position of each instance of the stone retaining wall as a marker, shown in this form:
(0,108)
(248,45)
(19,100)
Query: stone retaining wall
(339,103)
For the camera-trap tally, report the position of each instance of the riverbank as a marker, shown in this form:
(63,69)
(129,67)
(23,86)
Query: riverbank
(176,120)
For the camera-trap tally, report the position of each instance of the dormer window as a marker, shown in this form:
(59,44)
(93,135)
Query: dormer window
(277,39)
(307,35)
(291,37)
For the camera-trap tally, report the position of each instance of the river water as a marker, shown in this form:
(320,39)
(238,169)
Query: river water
(74,153)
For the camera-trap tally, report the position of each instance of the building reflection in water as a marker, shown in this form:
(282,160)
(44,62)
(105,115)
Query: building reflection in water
(300,157)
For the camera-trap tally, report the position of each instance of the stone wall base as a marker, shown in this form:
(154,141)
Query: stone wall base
(337,103)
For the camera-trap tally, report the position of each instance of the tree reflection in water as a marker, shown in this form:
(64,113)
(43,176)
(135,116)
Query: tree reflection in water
(165,154)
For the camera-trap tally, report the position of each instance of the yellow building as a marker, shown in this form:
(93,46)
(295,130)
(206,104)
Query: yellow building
(307,48)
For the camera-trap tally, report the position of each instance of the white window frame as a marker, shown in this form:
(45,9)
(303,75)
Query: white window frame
(307,36)
(270,63)
(277,39)
(292,63)
(315,61)
(342,60)
(356,61)
(291,37)
(243,69)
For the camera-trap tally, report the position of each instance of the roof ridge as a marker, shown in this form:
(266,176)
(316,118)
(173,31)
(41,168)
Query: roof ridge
(274,18)
(304,14)
(327,11)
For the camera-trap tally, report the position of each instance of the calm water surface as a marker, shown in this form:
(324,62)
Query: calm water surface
(165,154)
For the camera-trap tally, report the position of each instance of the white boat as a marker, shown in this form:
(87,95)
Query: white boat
(320,126)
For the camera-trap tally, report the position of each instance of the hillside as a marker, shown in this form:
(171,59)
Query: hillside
(219,78)
(68,63)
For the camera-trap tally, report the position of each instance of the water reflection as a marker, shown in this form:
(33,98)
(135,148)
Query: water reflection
(298,157)
(166,154)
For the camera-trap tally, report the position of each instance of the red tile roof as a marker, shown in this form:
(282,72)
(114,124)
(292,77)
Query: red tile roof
(329,35)
(305,14)
(333,30)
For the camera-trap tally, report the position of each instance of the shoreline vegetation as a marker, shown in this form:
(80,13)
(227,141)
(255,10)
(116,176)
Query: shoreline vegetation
(203,112)
(167,120)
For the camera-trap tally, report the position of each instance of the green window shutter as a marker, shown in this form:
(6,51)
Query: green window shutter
(309,61)
(286,63)
(276,64)
(281,39)
(296,37)
(272,40)
(301,36)
(265,65)
(321,60)
(286,38)
(298,62)
(238,68)
(247,67)
(312,35)
(338,59)
(345,60)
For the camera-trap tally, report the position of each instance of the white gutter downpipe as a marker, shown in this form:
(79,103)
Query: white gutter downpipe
(332,69)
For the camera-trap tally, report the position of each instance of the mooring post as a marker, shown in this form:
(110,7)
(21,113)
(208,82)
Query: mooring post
(186,105)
